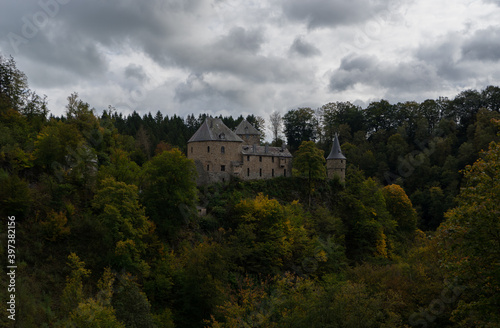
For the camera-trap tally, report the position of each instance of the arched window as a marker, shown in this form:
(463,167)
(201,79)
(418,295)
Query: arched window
(222,150)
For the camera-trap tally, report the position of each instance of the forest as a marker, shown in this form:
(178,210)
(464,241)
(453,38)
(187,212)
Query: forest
(108,233)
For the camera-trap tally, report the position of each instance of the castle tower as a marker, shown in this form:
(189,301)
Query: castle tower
(216,151)
(247,132)
(336,161)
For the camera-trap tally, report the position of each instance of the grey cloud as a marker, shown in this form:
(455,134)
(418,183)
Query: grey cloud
(331,13)
(204,96)
(483,45)
(239,39)
(444,55)
(303,48)
(412,76)
(194,87)
(136,72)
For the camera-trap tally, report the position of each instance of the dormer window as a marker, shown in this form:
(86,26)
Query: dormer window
(222,136)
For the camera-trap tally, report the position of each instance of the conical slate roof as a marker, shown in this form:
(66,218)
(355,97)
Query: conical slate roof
(336,152)
(213,129)
(245,128)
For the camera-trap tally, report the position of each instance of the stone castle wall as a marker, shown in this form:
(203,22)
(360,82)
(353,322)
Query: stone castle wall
(257,166)
(336,167)
(214,160)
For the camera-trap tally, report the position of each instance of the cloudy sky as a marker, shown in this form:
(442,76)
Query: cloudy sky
(250,56)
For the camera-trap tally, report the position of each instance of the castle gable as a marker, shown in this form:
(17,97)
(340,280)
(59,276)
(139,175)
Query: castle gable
(245,128)
(213,129)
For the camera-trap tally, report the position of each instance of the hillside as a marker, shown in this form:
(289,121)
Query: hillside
(108,233)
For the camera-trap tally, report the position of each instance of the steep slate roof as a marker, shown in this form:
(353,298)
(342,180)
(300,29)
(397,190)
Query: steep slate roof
(214,130)
(245,128)
(336,152)
(265,151)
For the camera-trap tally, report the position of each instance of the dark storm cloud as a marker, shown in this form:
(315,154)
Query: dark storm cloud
(303,48)
(412,76)
(483,45)
(331,13)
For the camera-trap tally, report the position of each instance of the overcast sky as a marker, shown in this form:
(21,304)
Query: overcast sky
(250,57)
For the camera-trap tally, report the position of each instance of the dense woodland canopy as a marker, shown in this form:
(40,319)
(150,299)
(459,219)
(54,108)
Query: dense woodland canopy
(108,233)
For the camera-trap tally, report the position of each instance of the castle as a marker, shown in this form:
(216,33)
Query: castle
(220,154)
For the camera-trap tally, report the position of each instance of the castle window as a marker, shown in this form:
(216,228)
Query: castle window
(248,172)
(272,172)
(284,173)
(222,150)
(248,158)
(260,158)
(191,150)
(223,168)
(272,159)
(260,172)
(208,149)
(208,167)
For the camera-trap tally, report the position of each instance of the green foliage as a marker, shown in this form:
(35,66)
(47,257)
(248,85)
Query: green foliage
(309,161)
(131,304)
(352,258)
(400,207)
(300,125)
(469,242)
(73,291)
(53,145)
(121,168)
(120,213)
(170,191)
(15,195)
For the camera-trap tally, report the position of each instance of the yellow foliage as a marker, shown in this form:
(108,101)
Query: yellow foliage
(55,226)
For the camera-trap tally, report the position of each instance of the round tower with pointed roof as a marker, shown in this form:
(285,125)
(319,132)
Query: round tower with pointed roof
(336,161)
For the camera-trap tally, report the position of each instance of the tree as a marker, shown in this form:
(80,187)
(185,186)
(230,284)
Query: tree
(131,304)
(269,236)
(276,125)
(170,190)
(95,312)
(470,243)
(333,115)
(310,162)
(73,291)
(400,207)
(117,207)
(300,125)
(15,94)
(121,168)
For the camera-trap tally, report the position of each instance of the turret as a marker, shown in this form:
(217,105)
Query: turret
(336,161)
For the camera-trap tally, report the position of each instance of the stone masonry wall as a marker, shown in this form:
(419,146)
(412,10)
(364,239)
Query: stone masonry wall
(336,167)
(262,167)
(214,159)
